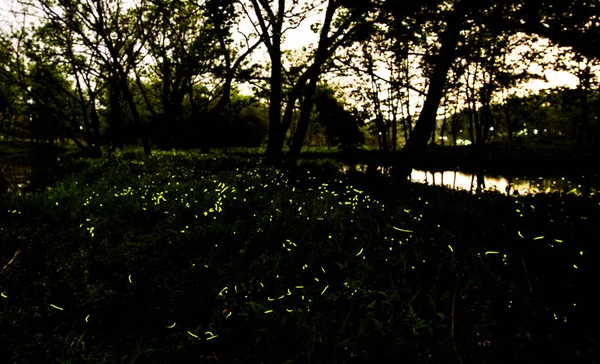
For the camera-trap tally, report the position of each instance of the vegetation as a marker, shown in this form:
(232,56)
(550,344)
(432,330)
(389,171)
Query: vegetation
(108,74)
(157,204)
(184,256)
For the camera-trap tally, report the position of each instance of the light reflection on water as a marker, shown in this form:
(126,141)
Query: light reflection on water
(506,185)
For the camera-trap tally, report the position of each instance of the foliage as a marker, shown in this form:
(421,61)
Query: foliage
(341,126)
(230,259)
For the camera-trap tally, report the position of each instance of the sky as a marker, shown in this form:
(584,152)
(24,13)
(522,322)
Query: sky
(295,39)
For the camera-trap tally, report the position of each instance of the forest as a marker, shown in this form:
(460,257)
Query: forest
(196,181)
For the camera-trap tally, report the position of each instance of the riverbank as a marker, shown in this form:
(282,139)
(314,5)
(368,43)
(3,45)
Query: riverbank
(529,160)
(184,256)
(526,160)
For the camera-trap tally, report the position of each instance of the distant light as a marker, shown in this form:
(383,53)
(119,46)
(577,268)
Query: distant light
(535,131)
(545,130)
(379,133)
(491,128)
(80,127)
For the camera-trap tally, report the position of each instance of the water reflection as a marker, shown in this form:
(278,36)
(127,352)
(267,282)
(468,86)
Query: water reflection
(480,182)
(32,175)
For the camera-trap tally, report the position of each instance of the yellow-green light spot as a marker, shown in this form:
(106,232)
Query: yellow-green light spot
(172,326)
(229,314)
(223,290)
(299,287)
(360,252)
(130,279)
(275,299)
(538,238)
(58,308)
(581,252)
(323,269)
(196,336)
(558,240)
(521,235)
(87,318)
(575,266)
(288,310)
(324,289)
(3,295)
(403,230)
(268,311)
(491,252)
(449,246)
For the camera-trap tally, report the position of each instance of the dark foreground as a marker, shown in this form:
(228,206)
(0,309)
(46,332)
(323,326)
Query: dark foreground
(187,258)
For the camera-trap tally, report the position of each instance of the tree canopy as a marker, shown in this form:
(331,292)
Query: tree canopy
(104,73)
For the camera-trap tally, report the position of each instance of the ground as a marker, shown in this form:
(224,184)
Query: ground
(184,256)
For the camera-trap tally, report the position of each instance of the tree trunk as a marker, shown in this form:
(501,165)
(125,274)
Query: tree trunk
(274,143)
(394,130)
(509,126)
(454,133)
(116,116)
(443,129)
(585,132)
(305,112)
(95,147)
(136,115)
(427,118)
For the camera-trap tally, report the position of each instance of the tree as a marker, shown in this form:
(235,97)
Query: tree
(425,125)
(187,42)
(342,127)
(334,33)
(109,34)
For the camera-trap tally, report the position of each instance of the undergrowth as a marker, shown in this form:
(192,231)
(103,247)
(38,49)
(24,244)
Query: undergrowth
(184,256)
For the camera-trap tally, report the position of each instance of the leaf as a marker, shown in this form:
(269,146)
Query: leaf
(363,325)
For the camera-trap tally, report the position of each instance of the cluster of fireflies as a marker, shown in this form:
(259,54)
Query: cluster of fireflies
(319,203)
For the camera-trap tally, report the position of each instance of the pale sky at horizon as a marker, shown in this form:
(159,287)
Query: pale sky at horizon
(303,36)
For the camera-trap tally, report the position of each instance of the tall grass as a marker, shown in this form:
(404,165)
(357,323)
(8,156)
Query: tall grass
(184,256)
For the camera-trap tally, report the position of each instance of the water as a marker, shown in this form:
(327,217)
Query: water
(29,176)
(37,175)
(508,185)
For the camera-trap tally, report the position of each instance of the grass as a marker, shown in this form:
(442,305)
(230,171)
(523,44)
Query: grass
(183,257)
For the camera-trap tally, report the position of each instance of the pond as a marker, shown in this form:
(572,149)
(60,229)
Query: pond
(37,174)
(508,185)
(31,175)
